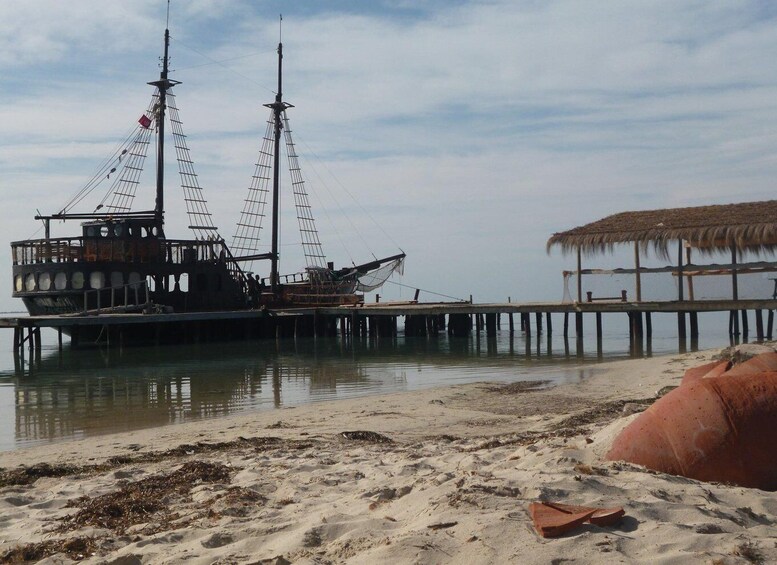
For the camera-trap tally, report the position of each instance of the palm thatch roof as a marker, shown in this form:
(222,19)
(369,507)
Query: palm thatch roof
(748,226)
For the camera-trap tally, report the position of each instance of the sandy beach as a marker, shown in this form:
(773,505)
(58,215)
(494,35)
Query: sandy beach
(437,476)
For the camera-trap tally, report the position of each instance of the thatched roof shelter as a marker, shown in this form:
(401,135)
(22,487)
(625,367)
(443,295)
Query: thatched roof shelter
(746,226)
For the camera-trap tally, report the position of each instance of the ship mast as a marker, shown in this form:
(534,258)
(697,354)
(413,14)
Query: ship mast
(278,107)
(163,84)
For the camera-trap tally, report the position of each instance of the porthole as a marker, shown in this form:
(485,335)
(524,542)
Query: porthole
(118,230)
(18,283)
(44,281)
(117,279)
(77,280)
(90,231)
(29,282)
(104,231)
(60,281)
(96,280)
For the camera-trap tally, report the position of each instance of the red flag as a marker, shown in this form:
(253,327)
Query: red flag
(145,121)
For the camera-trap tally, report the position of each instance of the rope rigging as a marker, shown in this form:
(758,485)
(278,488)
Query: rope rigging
(246,240)
(311,244)
(200,218)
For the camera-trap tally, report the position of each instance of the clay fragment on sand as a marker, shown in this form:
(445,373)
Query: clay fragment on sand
(552,519)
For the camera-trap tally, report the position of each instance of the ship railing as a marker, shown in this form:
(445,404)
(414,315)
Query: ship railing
(287,279)
(129,250)
(131,294)
(59,250)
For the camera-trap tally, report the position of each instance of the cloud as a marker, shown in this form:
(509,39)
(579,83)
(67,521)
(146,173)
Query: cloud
(471,130)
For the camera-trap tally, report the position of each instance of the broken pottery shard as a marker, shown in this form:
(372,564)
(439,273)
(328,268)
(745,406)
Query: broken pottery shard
(600,517)
(607,516)
(551,522)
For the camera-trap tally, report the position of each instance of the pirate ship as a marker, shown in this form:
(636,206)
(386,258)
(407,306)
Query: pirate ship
(123,260)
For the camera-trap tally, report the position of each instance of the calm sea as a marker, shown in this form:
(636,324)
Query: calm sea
(85,392)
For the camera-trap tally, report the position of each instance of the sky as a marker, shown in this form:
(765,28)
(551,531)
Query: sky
(464,133)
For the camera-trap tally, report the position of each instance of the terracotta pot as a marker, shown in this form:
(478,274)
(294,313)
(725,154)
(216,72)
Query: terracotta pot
(721,428)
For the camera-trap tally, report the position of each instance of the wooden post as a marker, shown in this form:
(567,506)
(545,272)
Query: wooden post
(681,333)
(566,324)
(759,325)
(579,324)
(734,282)
(638,333)
(691,296)
(680,272)
(745,329)
(549,323)
(694,316)
(538,322)
(637,277)
(598,326)
(510,320)
(579,276)
(599,334)
(491,325)
(769,324)
(733,323)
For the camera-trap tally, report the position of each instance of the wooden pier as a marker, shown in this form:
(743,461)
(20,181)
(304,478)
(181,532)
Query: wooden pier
(381,320)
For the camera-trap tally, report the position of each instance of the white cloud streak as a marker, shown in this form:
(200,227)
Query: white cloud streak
(471,131)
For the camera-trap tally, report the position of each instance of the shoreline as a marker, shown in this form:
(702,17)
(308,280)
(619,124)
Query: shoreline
(442,475)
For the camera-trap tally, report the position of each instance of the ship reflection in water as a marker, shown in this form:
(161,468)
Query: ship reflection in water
(89,392)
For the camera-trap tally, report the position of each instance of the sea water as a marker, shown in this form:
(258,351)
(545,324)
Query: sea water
(84,392)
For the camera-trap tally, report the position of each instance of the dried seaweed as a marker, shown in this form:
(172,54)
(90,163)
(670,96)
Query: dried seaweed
(143,501)
(75,548)
(518,387)
(362,435)
(27,475)
(599,413)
